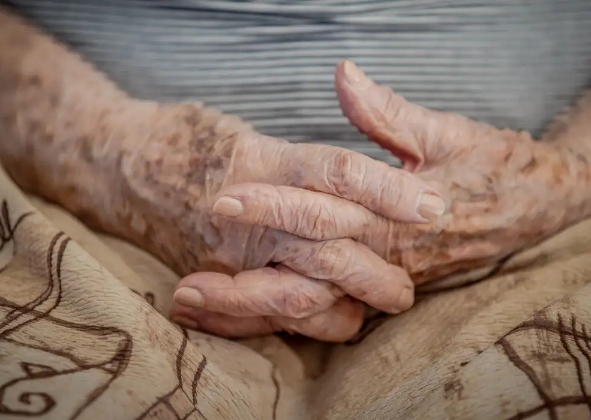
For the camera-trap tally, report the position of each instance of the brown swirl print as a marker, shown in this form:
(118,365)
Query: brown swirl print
(42,377)
(33,389)
(7,229)
(561,347)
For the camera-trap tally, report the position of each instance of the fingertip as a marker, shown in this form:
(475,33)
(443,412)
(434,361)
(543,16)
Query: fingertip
(430,206)
(189,296)
(378,112)
(406,299)
(228,207)
(349,81)
(340,70)
(349,317)
(352,74)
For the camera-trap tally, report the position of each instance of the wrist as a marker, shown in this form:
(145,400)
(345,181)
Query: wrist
(78,165)
(540,189)
(550,192)
(572,180)
(89,180)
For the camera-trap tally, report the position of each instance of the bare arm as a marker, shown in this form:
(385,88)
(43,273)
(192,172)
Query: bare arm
(58,119)
(65,129)
(151,173)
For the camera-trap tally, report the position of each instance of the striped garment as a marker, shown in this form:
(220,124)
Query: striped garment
(513,63)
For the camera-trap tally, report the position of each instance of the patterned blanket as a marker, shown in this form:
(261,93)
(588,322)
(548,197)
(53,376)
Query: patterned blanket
(84,335)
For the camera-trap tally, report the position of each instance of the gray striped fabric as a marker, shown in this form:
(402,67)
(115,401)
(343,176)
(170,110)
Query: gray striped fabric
(512,63)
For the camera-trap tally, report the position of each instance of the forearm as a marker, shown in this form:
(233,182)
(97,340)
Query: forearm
(59,119)
(70,135)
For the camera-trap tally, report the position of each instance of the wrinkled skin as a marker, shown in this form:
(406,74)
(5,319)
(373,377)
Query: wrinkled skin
(150,172)
(320,229)
(504,191)
(190,147)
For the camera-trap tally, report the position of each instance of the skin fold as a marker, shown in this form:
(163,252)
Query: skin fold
(274,236)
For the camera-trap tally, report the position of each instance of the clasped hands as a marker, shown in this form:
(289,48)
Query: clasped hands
(299,237)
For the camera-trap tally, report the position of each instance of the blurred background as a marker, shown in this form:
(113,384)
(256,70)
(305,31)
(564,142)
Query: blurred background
(510,63)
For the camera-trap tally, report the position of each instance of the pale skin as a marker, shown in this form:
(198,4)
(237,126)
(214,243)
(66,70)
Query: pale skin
(272,236)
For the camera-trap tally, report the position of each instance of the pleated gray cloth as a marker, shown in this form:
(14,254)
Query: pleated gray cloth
(512,63)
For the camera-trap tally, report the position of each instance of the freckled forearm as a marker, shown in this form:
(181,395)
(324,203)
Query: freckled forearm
(70,135)
(58,119)
(52,105)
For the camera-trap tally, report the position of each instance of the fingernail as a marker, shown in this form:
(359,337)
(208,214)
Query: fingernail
(189,297)
(353,74)
(430,205)
(406,299)
(228,206)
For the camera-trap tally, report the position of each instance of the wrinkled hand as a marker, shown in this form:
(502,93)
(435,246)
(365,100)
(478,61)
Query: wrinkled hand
(503,191)
(294,260)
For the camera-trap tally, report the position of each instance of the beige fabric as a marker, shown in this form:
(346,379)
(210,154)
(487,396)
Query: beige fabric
(76,342)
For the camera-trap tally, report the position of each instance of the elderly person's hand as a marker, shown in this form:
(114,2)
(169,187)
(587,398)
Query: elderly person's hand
(192,189)
(504,192)
(165,176)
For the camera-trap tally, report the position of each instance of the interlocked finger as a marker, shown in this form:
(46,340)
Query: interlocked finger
(337,324)
(277,291)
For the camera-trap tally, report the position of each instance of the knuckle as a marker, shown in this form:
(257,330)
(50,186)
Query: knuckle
(230,303)
(345,172)
(264,215)
(275,212)
(395,191)
(316,221)
(296,300)
(334,258)
(301,304)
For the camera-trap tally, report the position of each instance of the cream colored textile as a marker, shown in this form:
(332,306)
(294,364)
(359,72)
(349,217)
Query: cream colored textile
(84,335)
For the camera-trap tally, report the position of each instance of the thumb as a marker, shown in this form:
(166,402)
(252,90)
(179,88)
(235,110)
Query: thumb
(418,136)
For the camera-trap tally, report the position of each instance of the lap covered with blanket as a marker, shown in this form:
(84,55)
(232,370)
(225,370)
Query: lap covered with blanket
(84,334)
(83,315)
